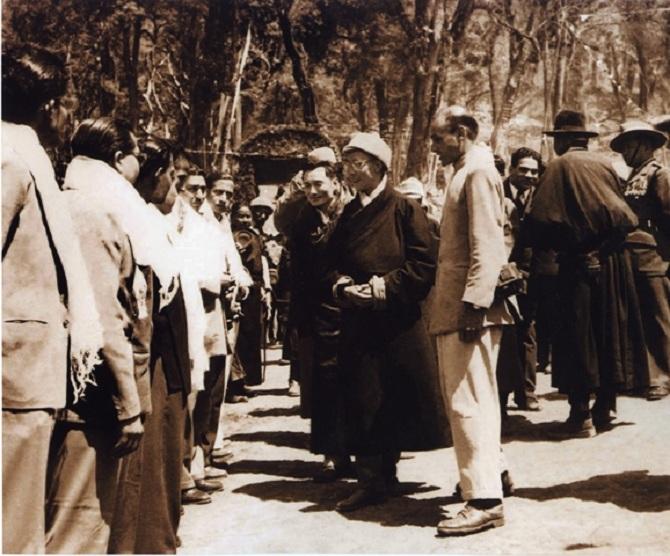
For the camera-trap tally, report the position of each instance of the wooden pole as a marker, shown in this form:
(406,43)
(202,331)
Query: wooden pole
(236,99)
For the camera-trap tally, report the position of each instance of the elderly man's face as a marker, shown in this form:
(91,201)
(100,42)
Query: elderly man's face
(194,191)
(360,171)
(319,189)
(221,197)
(445,145)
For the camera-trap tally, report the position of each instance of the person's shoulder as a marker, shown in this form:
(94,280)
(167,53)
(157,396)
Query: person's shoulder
(15,172)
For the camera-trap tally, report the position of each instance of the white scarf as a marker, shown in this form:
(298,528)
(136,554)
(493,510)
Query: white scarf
(86,337)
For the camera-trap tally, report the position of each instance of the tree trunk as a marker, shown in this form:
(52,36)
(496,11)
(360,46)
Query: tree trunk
(643,62)
(429,15)
(297,65)
(131,50)
(382,108)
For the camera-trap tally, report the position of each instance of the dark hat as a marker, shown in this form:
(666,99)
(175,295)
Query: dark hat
(570,122)
(662,123)
(633,129)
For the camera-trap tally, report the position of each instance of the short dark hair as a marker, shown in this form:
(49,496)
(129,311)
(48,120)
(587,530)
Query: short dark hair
(184,168)
(499,162)
(102,138)
(31,77)
(156,155)
(525,152)
(213,177)
(333,170)
(453,123)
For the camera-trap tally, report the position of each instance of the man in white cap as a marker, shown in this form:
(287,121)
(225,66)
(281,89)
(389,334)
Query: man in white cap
(383,260)
(647,191)
(467,318)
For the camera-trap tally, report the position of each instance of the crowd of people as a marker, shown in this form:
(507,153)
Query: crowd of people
(139,292)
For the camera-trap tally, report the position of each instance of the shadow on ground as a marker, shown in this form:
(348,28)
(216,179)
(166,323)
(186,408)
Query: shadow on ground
(636,491)
(519,428)
(295,468)
(395,512)
(276,412)
(290,439)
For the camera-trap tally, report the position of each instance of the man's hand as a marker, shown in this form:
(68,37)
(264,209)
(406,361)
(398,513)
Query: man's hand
(130,434)
(378,287)
(358,295)
(470,322)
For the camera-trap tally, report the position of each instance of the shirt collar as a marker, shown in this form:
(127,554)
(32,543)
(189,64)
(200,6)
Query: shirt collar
(367,198)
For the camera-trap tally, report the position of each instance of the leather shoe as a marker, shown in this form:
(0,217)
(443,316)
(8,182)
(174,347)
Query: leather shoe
(360,499)
(574,428)
(209,485)
(505,480)
(655,393)
(212,472)
(195,496)
(471,520)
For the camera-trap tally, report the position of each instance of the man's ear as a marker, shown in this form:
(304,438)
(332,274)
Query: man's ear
(118,157)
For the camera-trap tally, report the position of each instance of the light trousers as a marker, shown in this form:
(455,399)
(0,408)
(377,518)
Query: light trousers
(470,392)
(25,450)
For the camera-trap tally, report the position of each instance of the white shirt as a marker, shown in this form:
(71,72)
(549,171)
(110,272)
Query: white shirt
(367,198)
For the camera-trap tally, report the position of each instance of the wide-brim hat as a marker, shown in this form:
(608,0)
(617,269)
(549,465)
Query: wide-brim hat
(570,122)
(372,144)
(261,203)
(633,129)
(662,123)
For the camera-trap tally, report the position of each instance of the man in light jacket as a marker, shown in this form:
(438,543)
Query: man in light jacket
(467,319)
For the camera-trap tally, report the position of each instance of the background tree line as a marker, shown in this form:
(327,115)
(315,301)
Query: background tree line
(209,73)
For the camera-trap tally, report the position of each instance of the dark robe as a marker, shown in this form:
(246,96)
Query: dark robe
(317,321)
(249,341)
(389,372)
(579,211)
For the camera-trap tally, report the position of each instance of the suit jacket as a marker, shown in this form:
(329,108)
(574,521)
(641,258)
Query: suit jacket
(108,255)
(472,244)
(34,323)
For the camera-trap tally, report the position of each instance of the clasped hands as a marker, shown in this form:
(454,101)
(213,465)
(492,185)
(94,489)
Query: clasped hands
(372,294)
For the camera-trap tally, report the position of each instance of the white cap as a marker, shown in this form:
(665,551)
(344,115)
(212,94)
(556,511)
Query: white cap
(412,188)
(372,144)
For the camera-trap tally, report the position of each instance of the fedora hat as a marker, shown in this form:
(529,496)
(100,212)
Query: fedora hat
(633,129)
(570,122)
(662,123)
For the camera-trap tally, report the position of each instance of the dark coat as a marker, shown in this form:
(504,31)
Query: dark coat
(579,211)
(389,374)
(317,320)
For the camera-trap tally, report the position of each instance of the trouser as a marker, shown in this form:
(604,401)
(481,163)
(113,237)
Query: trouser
(25,451)
(81,497)
(579,403)
(528,352)
(124,524)
(375,472)
(547,317)
(160,495)
(654,295)
(470,391)
(222,389)
(193,468)
(204,407)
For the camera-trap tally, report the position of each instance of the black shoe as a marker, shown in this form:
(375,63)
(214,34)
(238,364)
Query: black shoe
(471,520)
(360,499)
(505,480)
(209,485)
(195,496)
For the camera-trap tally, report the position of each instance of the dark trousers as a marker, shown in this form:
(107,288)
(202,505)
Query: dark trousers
(25,450)
(208,406)
(654,295)
(377,472)
(81,497)
(124,524)
(160,494)
(547,316)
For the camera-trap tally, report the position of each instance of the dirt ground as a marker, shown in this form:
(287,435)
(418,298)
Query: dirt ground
(605,495)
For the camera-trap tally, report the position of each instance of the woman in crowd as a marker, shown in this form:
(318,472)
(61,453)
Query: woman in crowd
(250,335)
(308,217)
